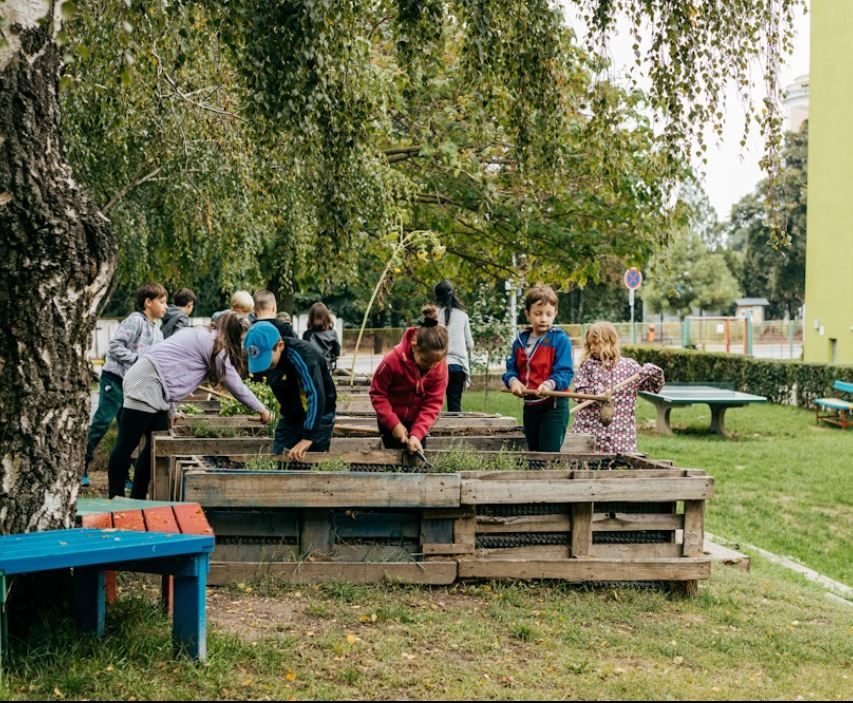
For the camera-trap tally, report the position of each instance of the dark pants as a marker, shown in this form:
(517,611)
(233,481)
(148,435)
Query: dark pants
(287,436)
(132,427)
(110,401)
(455,387)
(545,425)
(389,441)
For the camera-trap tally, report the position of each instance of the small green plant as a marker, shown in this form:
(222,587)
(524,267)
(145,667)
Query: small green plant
(205,429)
(190,409)
(331,465)
(262,462)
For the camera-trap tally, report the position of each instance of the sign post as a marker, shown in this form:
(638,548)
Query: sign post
(633,280)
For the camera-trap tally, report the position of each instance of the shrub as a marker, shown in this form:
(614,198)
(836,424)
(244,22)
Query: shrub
(784,382)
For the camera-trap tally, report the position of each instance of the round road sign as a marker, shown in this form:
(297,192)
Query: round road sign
(633,278)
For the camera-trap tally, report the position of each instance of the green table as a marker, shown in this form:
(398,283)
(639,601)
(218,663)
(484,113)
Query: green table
(718,396)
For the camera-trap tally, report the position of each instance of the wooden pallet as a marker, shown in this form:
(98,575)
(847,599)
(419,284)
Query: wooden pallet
(569,524)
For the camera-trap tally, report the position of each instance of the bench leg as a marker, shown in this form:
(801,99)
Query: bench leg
(662,425)
(718,419)
(189,626)
(88,600)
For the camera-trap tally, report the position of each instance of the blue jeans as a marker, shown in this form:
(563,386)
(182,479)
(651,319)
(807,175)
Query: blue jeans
(287,436)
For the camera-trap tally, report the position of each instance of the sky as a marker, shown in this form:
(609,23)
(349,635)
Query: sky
(732,171)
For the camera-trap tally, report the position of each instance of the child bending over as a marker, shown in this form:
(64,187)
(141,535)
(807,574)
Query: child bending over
(601,368)
(408,388)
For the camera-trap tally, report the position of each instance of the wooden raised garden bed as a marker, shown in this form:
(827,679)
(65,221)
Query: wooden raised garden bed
(574,517)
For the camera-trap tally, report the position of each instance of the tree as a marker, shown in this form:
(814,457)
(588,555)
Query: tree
(763,270)
(57,258)
(306,71)
(686,276)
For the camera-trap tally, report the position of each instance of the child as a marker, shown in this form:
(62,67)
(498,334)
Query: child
(136,332)
(241,303)
(601,368)
(541,360)
(163,375)
(460,344)
(266,309)
(408,388)
(302,384)
(178,315)
(321,333)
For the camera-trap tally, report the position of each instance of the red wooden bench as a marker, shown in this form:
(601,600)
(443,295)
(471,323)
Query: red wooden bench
(142,516)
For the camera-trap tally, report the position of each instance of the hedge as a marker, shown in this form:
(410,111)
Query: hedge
(785,382)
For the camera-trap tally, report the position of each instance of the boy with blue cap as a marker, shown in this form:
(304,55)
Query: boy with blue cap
(302,384)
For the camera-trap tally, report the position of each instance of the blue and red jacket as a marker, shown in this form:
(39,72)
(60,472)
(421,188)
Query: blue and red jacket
(550,360)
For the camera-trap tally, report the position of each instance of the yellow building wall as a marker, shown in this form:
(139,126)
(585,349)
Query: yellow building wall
(829,242)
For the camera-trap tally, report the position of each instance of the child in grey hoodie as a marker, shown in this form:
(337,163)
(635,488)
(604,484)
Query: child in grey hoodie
(178,315)
(321,333)
(137,332)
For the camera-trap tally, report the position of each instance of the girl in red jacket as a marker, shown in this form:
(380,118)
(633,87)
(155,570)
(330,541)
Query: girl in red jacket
(408,388)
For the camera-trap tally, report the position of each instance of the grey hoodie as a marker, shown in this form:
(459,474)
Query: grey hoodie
(174,320)
(134,334)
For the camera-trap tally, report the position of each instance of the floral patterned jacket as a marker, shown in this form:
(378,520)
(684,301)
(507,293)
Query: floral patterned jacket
(620,436)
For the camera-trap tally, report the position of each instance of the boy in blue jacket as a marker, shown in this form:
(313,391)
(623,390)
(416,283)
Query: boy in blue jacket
(541,360)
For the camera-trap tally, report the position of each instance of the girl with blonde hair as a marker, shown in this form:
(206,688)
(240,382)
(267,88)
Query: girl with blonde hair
(602,367)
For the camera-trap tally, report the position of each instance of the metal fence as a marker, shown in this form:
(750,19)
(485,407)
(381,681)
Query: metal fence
(778,339)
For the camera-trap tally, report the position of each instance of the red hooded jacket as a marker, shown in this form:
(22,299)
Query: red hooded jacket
(401,393)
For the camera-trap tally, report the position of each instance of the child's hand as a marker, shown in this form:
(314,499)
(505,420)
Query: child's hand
(400,433)
(516,387)
(544,389)
(266,416)
(297,453)
(414,445)
(173,419)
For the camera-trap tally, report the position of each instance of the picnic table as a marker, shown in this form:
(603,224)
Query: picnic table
(91,552)
(718,396)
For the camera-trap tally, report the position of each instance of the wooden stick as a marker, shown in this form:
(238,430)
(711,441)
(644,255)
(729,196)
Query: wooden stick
(617,387)
(357,430)
(218,394)
(561,394)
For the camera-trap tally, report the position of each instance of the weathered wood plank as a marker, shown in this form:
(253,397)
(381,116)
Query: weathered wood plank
(316,538)
(479,492)
(375,553)
(167,445)
(438,573)
(629,522)
(580,570)
(303,489)
(546,552)
(497,524)
(630,552)
(581,529)
(694,527)
(445,549)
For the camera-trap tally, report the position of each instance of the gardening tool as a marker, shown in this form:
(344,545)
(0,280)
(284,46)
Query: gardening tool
(218,394)
(605,400)
(425,463)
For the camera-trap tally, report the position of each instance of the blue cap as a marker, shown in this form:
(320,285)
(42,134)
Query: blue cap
(258,343)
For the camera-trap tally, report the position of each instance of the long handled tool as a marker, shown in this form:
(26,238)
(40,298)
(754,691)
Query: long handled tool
(605,400)
(218,394)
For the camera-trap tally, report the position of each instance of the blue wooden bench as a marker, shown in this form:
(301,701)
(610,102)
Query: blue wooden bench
(840,411)
(91,552)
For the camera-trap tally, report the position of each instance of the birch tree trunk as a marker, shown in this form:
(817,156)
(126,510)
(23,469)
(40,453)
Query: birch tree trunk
(57,255)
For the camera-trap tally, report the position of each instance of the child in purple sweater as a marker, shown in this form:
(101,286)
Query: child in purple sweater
(163,375)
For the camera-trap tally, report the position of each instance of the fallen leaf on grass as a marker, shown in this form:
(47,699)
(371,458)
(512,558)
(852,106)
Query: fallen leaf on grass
(290,676)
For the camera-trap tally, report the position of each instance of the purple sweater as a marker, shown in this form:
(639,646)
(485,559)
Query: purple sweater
(182,361)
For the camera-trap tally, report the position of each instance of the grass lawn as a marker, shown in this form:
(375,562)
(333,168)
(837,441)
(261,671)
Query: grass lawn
(747,635)
(781,483)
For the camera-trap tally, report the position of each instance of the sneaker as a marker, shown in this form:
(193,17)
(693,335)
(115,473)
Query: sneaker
(84,481)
